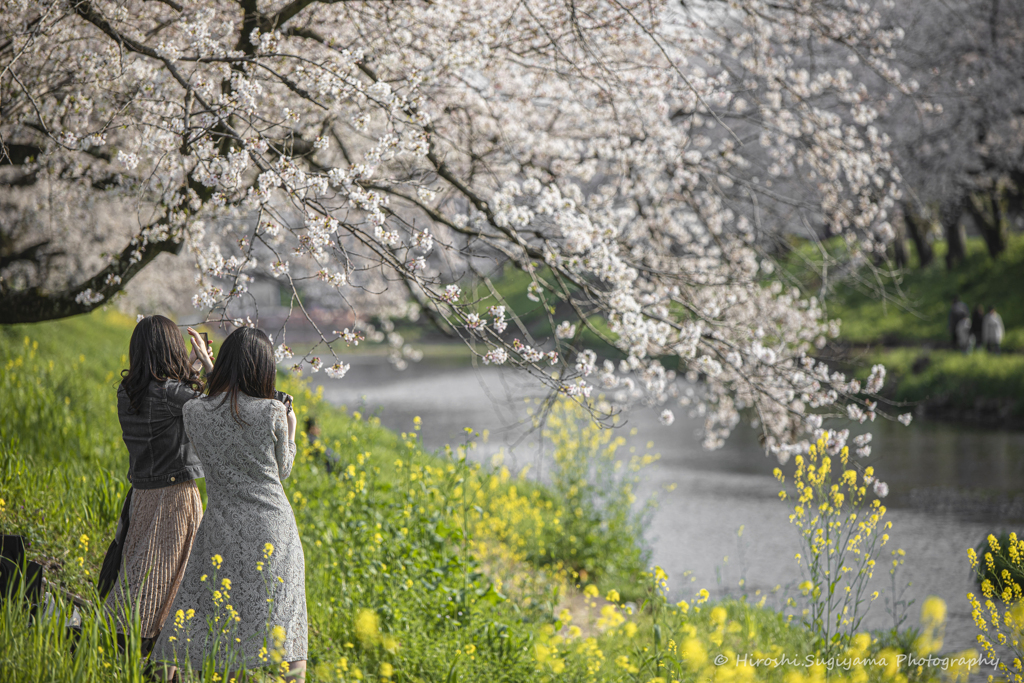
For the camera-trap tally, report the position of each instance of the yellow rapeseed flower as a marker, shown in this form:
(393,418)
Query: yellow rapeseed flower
(960,667)
(367,627)
(694,653)
(610,618)
(933,611)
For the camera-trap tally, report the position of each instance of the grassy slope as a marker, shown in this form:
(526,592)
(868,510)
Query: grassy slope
(913,332)
(929,291)
(420,549)
(979,387)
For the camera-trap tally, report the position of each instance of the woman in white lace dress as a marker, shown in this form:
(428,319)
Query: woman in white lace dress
(245,578)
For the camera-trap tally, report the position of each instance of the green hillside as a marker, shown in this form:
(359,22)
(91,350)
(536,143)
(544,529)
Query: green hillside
(921,318)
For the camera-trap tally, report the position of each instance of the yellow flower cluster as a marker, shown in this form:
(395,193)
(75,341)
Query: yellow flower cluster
(840,530)
(367,627)
(1000,619)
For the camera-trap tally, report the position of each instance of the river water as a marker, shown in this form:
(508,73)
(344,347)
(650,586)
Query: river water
(950,485)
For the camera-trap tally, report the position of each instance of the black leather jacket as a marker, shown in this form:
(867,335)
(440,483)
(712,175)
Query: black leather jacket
(159,453)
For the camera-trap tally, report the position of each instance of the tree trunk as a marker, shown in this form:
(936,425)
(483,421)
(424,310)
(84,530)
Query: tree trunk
(1015,197)
(990,219)
(899,245)
(918,228)
(956,241)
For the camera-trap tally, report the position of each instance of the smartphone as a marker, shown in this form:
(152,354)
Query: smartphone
(285,399)
(198,364)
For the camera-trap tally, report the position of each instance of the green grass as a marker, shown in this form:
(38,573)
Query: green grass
(535,316)
(419,566)
(917,317)
(911,323)
(985,385)
(922,318)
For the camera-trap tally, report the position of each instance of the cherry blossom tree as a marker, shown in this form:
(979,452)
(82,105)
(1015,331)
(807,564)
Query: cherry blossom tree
(635,157)
(959,140)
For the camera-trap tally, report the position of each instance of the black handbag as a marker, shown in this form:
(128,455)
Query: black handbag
(112,560)
(18,575)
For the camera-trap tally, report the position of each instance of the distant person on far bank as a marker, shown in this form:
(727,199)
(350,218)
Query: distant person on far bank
(965,341)
(992,330)
(977,318)
(957,312)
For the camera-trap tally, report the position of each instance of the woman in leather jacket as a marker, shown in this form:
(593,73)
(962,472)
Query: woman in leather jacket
(166,508)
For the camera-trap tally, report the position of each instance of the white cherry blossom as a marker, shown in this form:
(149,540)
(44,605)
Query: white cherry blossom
(635,160)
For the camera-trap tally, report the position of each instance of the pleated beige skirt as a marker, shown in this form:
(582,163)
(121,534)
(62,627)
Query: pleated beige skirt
(163,523)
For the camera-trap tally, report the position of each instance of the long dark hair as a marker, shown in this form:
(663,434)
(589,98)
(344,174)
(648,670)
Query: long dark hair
(156,353)
(245,363)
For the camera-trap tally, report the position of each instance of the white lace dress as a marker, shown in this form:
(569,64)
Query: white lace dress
(249,530)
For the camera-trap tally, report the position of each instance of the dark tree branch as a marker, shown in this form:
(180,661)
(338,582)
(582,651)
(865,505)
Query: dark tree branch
(35,305)
(290,10)
(173,5)
(250,20)
(30,253)
(17,155)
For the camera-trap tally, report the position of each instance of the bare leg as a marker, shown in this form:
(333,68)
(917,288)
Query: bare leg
(296,671)
(162,672)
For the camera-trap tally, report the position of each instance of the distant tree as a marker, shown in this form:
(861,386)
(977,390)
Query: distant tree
(959,141)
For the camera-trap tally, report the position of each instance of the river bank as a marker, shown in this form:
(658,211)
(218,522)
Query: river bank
(950,485)
(981,388)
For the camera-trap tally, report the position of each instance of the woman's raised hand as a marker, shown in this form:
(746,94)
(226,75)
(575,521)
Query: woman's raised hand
(290,416)
(200,350)
(292,420)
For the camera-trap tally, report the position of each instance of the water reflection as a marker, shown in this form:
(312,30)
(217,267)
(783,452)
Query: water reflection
(950,484)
